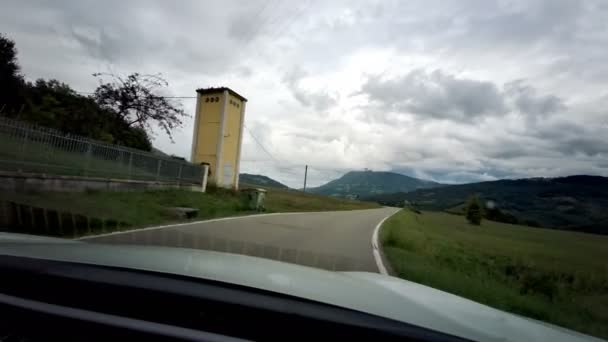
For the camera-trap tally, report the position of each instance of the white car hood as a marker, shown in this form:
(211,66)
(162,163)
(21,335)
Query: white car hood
(367,292)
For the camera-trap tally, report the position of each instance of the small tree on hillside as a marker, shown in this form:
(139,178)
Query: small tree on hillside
(474,210)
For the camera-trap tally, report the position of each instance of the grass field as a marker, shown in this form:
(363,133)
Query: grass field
(140,209)
(556,276)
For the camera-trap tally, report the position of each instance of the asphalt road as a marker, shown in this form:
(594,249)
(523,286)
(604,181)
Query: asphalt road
(335,240)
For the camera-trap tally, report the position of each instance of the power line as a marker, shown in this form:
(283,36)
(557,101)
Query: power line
(249,36)
(281,23)
(260,144)
(290,20)
(282,164)
(162,97)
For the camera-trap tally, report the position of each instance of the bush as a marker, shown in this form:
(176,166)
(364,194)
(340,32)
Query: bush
(495,214)
(473,210)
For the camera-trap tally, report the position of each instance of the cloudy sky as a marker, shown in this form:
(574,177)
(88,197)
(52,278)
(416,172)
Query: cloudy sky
(452,91)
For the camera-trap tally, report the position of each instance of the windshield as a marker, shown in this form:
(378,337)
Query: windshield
(457,145)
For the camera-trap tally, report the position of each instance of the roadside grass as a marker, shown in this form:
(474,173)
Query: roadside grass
(135,209)
(148,208)
(559,277)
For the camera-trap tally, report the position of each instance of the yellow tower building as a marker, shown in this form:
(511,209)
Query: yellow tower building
(218,134)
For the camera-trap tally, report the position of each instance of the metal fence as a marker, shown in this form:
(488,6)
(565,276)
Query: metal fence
(29,148)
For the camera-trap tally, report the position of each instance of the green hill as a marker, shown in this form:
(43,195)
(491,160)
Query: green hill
(260,180)
(572,203)
(367,183)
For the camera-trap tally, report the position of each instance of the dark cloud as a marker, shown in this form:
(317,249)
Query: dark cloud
(142,34)
(527,101)
(511,151)
(319,100)
(590,146)
(525,22)
(571,139)
(248,22)
(99,44)
(436,94)
(439,95)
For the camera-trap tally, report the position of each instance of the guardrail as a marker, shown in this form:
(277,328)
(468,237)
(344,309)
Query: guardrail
(29,148)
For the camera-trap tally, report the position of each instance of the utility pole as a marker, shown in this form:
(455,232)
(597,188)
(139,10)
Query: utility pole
(305,174)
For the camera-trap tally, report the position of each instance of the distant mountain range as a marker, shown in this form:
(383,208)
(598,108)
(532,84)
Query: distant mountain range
(247,179)
(572,203)
(368,183)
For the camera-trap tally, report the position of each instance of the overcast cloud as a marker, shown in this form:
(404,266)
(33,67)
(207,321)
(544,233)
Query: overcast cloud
(452,91)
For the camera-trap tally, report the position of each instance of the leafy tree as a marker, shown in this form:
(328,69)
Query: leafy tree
(11,80)
(474,210)
(135,137)
(56,105)
(136,99)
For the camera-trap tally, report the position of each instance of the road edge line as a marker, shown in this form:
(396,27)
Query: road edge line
(178,225)
(376,246)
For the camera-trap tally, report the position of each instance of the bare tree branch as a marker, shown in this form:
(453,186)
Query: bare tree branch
(135,99)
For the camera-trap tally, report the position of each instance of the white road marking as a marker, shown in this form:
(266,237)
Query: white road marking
(376,246)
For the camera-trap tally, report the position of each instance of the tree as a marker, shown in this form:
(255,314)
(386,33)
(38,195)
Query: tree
(56,105)
(137,101)
(11,80)
(474,210)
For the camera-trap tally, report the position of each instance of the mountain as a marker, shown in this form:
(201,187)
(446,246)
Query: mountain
(260,180)
(367,183)
(572,203)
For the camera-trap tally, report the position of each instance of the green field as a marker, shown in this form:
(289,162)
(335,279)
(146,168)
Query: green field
(140,209)
(556,276)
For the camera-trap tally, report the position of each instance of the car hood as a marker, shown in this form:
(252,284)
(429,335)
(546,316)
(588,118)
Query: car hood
(367,292)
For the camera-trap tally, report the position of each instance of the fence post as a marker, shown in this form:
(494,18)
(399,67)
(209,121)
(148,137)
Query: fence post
(130,164)
(179,174)
(87,159)
(205,173)
(158,164)
(24,145)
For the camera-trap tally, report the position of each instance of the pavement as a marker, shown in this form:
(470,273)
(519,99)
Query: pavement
(333,240)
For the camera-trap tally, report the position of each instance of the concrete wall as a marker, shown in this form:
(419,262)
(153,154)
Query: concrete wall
(26,219)
(29,182)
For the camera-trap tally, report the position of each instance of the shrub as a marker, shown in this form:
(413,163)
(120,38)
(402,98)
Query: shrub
(474,210)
